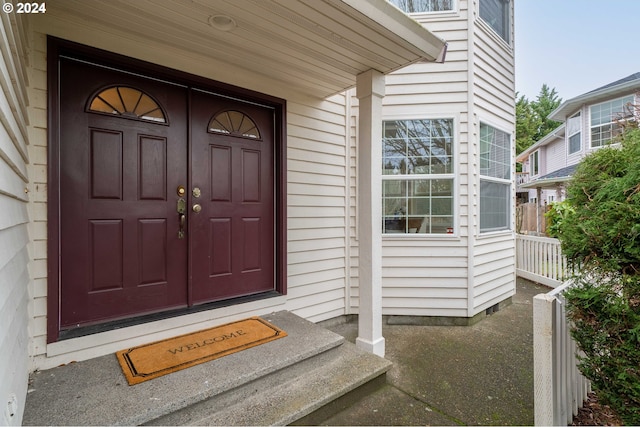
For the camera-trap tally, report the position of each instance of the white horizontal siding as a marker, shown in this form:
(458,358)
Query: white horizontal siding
(14,253)
(38,195)
(494,76)
(317,207)
(555,156)
(494,270)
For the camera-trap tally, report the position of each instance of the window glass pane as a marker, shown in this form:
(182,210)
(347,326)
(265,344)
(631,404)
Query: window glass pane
(494,206)
(603,119)
(496,13)
(416,6)
(417,147)
(574,143)
(418,206)
(495,152)
(111,97)
(234,123)
(127,102)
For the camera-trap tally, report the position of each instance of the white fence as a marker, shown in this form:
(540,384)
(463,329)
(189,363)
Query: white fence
(540,259)
(559,388)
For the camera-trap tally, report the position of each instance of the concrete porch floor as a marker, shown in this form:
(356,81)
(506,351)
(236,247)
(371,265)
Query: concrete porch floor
(454,375)
(441,375)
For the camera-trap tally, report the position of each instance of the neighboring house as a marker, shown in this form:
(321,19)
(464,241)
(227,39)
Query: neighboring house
(166,166)
(588,123)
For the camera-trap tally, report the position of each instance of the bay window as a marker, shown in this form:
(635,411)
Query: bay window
(417,176)
(495,179)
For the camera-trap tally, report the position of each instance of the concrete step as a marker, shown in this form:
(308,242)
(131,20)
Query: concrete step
(275,383)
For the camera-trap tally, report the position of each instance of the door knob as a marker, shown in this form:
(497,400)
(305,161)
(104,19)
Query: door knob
(197,208)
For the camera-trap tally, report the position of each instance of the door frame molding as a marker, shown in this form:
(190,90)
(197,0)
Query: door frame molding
(58,47)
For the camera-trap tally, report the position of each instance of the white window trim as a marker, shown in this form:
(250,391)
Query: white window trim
(454,175)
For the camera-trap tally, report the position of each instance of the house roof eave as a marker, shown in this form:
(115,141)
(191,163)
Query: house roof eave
(311,47)
(572,105)
(558,132)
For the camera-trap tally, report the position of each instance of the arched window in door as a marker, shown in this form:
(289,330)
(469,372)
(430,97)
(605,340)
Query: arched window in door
(128,102)
(232,122)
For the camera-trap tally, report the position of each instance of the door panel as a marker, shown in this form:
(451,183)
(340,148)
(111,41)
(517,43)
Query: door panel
(120,252)
(232,237)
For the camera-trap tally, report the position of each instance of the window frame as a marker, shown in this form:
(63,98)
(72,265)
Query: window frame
(508,183)
(572,135)
(615,128)
(534,163)
(454,9)
(506,18)
(407,177)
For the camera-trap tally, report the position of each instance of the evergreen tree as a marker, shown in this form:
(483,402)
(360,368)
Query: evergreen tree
(527,124)
(532,123)
(545,103)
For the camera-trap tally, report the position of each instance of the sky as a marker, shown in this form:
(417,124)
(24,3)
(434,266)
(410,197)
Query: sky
(575,46)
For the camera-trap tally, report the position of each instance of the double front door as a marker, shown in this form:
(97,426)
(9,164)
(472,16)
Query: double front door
(166,195)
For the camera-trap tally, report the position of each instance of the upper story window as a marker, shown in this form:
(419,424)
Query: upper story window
(418,179)
(574,133)
(604,126)
(497,13)
(495,179)
(421,6)
(534,168)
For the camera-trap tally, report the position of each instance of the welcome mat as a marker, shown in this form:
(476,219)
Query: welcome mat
(153,360)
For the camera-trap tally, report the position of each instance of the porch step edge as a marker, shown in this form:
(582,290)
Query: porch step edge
(95,392)
(288,395)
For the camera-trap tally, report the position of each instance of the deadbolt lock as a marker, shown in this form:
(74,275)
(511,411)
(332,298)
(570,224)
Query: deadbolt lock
(197,208)
(181,191)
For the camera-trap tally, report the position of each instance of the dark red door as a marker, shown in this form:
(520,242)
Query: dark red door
(232,232)
(144,229)
(122,157)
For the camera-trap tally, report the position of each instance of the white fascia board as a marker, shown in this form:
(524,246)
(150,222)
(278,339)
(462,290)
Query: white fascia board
(432,47)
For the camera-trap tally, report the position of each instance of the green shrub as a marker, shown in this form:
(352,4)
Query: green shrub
(558,211)
(599,229)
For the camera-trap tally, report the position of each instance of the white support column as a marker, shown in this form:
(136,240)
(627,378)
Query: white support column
(370,87)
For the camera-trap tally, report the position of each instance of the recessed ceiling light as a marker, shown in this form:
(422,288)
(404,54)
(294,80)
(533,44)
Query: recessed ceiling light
(222,22)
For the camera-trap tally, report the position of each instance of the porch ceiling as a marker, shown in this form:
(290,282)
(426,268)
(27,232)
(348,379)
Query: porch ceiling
(316,47)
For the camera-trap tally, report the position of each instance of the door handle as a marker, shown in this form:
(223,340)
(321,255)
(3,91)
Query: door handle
(181,229)
(182,218)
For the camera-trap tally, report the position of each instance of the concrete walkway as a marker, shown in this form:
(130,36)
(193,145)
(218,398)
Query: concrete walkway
(455,375)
